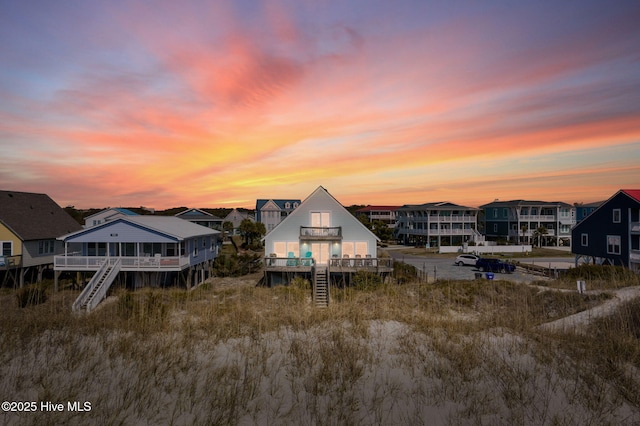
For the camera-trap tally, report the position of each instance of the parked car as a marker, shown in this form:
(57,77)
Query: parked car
(494,265)
(466,259)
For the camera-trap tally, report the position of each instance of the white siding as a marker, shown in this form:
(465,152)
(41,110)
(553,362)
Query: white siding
(361,240)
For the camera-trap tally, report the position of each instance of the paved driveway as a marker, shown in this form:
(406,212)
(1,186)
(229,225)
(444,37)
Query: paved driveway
(444,268)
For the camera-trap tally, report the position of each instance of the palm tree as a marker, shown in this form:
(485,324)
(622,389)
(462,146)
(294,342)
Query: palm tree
(539,233)
(524,228)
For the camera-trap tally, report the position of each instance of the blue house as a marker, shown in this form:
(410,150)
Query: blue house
(584,210)
(140,250)
(201,217)
(520,221)
(611,234)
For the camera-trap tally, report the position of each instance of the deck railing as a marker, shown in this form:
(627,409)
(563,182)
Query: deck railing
(283,262)
(129,263)
(7,262)
(310,232)
(361,262)
(335,264)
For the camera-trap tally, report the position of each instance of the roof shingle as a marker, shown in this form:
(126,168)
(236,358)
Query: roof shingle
(34,216)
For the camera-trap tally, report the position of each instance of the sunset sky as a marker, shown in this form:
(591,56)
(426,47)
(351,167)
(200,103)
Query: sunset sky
(218,103)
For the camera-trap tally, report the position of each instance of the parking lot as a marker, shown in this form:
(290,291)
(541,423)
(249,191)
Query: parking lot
(438,267)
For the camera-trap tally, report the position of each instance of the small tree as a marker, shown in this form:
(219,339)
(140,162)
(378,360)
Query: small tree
(252,231)
(247,229)
(227,227)
(260,230)
(381,230)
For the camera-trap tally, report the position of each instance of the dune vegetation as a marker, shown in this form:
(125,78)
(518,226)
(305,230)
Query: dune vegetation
(228,352)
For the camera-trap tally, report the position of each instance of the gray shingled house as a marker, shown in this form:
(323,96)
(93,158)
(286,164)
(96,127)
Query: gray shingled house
(29,226)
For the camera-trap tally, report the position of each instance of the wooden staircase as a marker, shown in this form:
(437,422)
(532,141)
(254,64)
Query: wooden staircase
(96,289)
(320,287)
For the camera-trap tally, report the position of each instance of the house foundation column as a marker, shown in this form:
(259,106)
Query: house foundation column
(56,275)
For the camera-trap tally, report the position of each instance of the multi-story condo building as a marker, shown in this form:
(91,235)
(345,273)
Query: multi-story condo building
(529,222)
(437,224)
(584,210)
(386,214)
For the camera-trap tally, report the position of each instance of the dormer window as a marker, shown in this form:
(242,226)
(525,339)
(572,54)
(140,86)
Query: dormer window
(287,205)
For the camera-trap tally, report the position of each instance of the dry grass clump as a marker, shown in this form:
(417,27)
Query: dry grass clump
(609,352)
(598,277)
(451,352)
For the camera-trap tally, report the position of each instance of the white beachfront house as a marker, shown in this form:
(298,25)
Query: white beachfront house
(142,250)
(321,240)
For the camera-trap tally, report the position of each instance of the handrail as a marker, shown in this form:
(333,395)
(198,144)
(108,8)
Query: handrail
(106,283)
(87,289)
(319,231)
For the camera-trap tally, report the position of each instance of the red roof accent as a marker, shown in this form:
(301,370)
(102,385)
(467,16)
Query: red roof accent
(633,193)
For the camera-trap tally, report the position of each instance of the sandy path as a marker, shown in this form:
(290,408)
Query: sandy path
(583,318)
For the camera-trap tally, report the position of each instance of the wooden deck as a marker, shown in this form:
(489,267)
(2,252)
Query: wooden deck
(129,263)
(305,264)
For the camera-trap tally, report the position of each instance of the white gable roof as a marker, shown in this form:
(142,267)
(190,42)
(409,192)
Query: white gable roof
(194,212)
(322,197)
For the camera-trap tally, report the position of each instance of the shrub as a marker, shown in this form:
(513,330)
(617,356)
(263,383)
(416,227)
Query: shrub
(225,265)
(249,263)
(31,295)
(404,273)
(234,265)
(601,272)
(365,280)
(301,283)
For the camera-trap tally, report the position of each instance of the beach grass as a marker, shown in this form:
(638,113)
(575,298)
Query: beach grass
(449,352)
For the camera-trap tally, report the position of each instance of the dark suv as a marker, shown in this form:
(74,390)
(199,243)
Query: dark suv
(494,265)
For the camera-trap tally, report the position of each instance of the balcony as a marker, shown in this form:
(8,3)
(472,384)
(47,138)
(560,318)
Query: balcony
(336,265)
(318,233)
(302,264)
(634,227)
(532,233)
(435,232)
(453,218)
(9,262)
(129,263)
(537,217)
